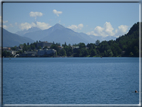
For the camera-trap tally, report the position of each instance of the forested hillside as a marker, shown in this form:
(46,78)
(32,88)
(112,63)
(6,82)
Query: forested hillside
(130,42)
(125,46)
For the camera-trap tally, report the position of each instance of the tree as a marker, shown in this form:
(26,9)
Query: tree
(62,52)
(54,46)
(6,54)
(109,53)
(93,52)
(39,47)
(14,48)
(64,45)
(131,54)
(19,52)
(97,42)
(68,50)
(32,46)
(81,45)
(91,46)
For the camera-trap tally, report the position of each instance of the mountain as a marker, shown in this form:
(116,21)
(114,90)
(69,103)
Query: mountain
(130,41)
(33,29)
(60,34)
(11,39)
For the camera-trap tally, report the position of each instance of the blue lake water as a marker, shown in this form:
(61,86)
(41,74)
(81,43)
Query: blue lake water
(70,80)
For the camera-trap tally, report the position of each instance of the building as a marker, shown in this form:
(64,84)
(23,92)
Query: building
(41,52)
(44,44)
(6,48)
(46,52)
(29,54)
(50,51)
(12,52)
(75,47)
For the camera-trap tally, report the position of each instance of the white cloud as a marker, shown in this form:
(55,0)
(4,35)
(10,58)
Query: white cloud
(123,28)
(99,31)
(41,25)
(3,21)
(5,27)
(25,26)
(80,26)
(108,30)
(10,25)
(16,23)
(75,27)
(57,12)
(91,33)
(35,14)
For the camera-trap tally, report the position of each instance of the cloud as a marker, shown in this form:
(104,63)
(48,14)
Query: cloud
(25,26)
(3,21)
(123,28)
(57,12)
(16,23)
(76,27)
(91,33)
(80,26)
(35,14)
(99,29)
(108,30)
(5,27)
(41,25)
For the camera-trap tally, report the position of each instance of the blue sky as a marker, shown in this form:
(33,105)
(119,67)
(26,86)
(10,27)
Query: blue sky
(98,19)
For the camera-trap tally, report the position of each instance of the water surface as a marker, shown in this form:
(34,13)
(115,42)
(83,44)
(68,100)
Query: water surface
(70,80)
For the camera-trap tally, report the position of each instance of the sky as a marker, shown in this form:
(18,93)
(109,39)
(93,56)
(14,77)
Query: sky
(98,19)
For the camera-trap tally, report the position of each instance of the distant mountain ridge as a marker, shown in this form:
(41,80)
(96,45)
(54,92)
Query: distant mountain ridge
(60,34)
(33,29)
(11,39)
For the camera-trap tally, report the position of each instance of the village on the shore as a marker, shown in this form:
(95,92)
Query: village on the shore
(37,49)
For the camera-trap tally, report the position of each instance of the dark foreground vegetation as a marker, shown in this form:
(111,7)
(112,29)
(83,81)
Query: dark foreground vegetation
(125,46)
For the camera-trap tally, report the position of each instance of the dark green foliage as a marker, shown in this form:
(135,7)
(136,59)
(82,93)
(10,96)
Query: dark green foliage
(6,54)
(54,46)
(19,52)
(68,50)
(81,45)
(62,52)
(14,48)
(97,42)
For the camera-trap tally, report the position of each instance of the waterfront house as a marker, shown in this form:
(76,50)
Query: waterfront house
(46,52)
(28,54)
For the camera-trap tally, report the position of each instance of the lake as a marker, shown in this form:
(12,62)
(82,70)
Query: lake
(70,80)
